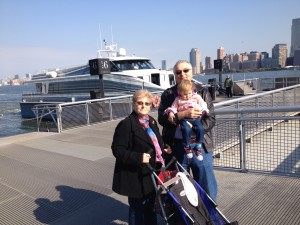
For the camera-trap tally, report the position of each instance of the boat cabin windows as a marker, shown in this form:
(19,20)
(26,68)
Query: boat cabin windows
(132,65)
(155,78)
(113,68)
(171,79)
(42,88)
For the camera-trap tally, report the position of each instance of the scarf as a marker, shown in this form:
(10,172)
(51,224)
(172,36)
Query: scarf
(144,121)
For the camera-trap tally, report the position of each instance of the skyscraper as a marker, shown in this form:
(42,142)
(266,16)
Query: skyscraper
(279,52)
(164,64)
(295,36)
(220,53)
(195,59)
(208,62)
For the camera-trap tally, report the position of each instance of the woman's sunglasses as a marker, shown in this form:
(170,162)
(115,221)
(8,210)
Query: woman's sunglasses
(144,103)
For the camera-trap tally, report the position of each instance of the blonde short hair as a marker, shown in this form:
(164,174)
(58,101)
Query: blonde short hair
(185,85)
(142,93)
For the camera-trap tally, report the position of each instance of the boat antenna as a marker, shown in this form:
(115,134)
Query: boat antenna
(112,36)
(100,36)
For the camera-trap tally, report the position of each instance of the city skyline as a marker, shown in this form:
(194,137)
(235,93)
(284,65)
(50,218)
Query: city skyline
(39,35)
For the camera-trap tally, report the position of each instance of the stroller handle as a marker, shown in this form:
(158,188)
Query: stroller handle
(173,159)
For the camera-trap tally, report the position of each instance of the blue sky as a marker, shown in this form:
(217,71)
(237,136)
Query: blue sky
(41,34)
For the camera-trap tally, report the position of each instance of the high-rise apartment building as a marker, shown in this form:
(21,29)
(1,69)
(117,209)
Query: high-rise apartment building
(164,64)
(295,36)
(195,60)
(279,52)
(208,62)
(220,53)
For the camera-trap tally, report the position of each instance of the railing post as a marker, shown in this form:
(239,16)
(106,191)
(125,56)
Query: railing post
(37,118)
(110,110)
(87,116)
(59,119)
(295,91)
(242,136)
(130,105)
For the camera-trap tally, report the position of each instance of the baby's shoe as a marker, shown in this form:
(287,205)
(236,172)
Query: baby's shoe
(198,148)
(188,152)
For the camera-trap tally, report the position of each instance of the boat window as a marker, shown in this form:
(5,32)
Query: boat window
(114,68)
(140,77)
(171,79)
(133,64)
(39,88)
(155,78)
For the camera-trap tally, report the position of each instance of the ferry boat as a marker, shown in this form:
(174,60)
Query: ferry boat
(128,73)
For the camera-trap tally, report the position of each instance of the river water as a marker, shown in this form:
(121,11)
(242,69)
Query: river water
(11,122)
(10,113)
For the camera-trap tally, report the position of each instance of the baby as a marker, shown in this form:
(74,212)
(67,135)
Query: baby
(186,99)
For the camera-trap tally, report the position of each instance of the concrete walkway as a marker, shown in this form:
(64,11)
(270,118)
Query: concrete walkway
(50,178)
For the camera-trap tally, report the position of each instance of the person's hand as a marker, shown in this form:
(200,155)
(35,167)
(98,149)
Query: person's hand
(193,113)
(171,117)
(156,101)
(167,149)
(146,158)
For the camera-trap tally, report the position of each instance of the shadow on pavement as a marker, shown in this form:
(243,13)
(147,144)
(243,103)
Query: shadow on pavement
(80,206)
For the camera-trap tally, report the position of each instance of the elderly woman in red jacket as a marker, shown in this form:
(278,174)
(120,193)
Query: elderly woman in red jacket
(136,142)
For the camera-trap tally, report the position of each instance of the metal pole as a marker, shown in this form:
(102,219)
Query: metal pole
(220,77)
(87,116)
(242,136)
(37,119)
(59,120)
(110,110)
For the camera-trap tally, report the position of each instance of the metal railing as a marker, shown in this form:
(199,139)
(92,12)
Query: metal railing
(287,96)
(254,139)
(83,113)
(259,132)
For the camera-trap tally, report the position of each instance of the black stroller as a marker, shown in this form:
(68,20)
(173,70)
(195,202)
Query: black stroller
(175,203)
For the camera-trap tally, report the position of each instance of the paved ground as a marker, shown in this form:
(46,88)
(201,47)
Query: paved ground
(49,178)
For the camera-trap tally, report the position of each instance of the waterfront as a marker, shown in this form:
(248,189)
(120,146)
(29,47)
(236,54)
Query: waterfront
(249,75)
(11,122)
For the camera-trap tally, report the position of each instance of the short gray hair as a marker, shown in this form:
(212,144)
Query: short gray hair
(179,62)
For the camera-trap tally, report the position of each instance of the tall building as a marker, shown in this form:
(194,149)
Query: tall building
(220,53)
(279,52)
(164,64)
(208,62)
(195,60)
(295,36)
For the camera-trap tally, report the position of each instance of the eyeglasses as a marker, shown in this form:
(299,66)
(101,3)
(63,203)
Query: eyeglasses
(178,72)
(144,103)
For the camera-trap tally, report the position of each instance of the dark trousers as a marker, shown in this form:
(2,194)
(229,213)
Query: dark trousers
(228,92)
(187,130)
(141,211)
